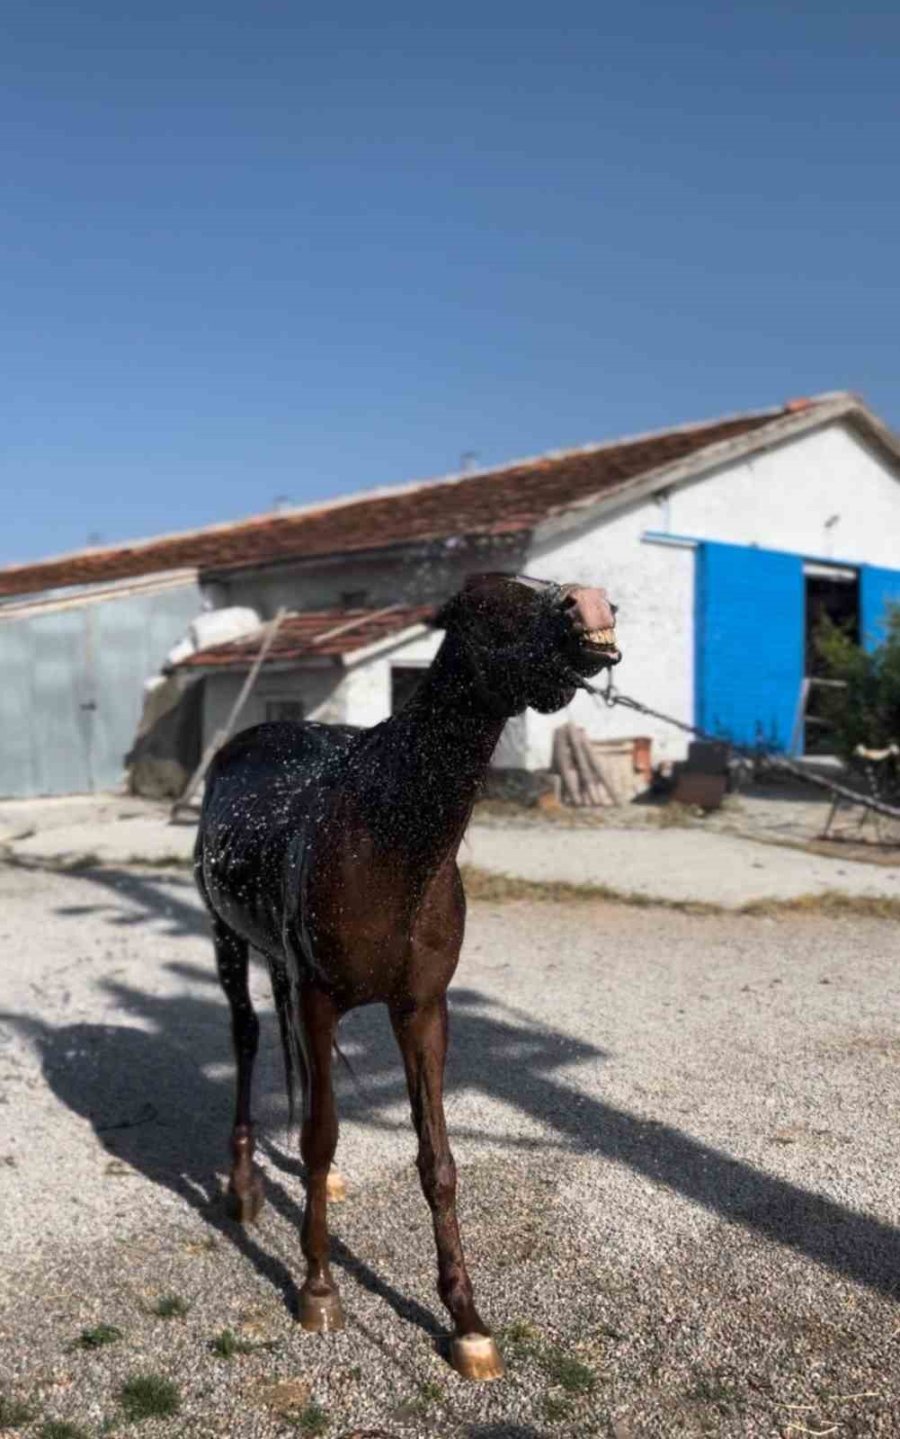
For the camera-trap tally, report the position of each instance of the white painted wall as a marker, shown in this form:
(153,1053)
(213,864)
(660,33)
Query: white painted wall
(779,500)
(653,586)
(367,686)
(318,690)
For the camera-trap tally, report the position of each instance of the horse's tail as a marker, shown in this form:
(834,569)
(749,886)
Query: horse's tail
(292,1045)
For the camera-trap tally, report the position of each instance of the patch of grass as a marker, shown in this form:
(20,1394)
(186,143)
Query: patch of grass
(556,1407)
(149,1396)
(170,1306)
(88,861)
(14,1414)
(831,902)
(62,1429)
(567,1372)
(715,1388)
(313,1419)
(97,1337)
(519,1337)
(500,888)
(228,1345)
(519,1333)
(430,1392)
(206,1245)
(486,885)
(160,861)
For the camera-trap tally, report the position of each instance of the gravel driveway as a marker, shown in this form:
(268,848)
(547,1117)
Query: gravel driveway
(677,1146)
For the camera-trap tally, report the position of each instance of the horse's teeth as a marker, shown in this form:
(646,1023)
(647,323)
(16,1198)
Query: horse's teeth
(601,637)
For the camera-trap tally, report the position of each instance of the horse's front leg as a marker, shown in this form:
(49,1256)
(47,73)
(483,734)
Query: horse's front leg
(320,1303)
(422,1036)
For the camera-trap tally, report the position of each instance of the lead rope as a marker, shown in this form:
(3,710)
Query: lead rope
(610,697)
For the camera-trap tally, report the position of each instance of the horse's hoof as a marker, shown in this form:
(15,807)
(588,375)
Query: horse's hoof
(335,1187)
(245,1206)
(476,1356)
(320,1313)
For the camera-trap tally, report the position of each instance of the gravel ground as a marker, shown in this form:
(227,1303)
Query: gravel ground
(681,866)
(676,1138)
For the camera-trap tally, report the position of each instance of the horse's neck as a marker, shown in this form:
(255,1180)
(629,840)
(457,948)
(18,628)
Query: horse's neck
(435,754)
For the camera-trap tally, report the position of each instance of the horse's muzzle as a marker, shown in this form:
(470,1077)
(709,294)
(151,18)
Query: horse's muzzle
(593,618)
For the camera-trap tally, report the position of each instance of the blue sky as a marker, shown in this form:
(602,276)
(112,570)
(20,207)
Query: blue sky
(291,250)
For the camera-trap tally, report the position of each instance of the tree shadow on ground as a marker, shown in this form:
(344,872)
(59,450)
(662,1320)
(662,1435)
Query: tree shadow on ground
(152,1104)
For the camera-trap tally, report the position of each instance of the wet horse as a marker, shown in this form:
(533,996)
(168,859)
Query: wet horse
(333,852)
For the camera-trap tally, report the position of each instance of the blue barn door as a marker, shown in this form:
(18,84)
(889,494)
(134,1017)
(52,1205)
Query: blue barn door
(879,589)
(749,652)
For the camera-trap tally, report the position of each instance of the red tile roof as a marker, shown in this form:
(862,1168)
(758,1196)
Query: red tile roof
(307,636)
(493,502)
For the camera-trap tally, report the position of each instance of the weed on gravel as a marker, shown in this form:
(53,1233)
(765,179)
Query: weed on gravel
(149,1396)
(228,1345)
(557,1407)
(62,1429)
(99,1336)
(567,1372)
(13,1414)
(170,1306)
(311,1420)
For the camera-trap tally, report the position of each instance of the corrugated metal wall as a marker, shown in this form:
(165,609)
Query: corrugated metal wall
(71,686)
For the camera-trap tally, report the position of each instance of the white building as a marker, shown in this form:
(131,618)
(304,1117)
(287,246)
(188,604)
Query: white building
(722,544)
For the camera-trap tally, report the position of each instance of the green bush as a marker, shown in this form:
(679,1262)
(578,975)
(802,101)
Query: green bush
(866,710)
(149,1396)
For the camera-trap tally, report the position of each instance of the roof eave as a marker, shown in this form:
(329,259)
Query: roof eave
(848,408)
(413,547)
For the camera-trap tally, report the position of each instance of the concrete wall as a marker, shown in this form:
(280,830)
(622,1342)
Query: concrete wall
(420,577)
(781,500)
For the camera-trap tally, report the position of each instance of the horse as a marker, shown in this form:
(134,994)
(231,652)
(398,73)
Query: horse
(332,851)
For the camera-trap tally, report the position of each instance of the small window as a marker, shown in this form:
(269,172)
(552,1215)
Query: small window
(284,710)
(405,680)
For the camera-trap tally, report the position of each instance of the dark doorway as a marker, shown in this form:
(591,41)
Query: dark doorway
(832,593)
(405,680)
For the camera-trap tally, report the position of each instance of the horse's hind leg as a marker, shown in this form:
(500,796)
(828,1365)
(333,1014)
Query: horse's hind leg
(335,1184)
(245,1186)
(320,1304)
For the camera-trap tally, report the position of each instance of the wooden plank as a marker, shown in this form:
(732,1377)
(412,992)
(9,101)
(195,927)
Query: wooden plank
(224,734)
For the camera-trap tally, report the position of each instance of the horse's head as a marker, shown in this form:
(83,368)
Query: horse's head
(529,641)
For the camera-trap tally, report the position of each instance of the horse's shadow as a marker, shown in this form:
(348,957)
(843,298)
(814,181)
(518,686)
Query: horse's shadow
(153,1107)
(150,1098)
